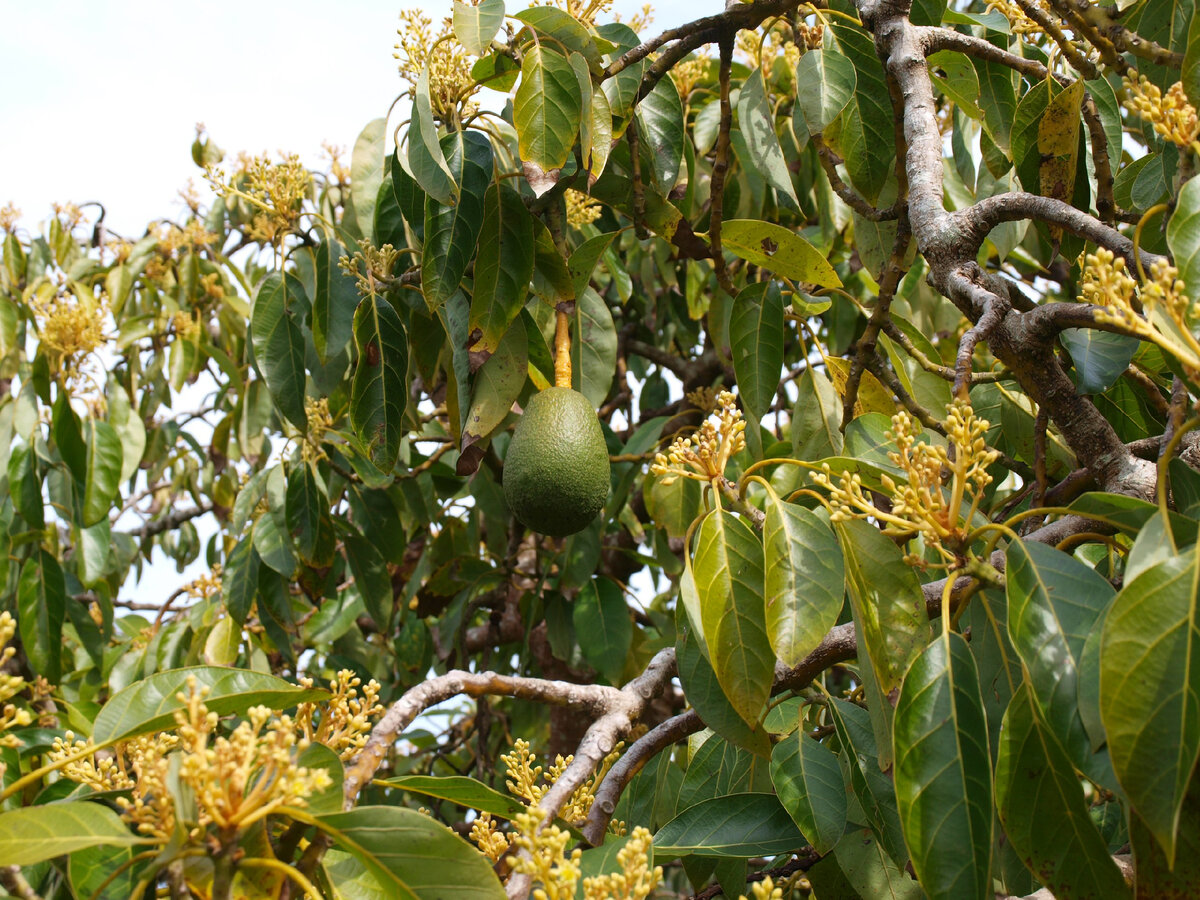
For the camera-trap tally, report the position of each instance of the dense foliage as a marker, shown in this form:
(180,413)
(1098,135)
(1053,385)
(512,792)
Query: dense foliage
(889,314)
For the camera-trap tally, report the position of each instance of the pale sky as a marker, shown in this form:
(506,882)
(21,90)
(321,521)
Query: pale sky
(101,98)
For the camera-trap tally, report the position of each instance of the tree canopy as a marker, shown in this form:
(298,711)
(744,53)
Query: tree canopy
(888,312)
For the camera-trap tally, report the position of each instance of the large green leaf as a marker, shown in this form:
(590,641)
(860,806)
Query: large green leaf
(333,301)
(475,26)
(825,82)
(737,825)
(756,119)
(367,163)
(943,772)
(888,603)
(452,232)
(426,161)
(728,567)
(41,609)
(461,790)
(1150,691)
(1044,812)
(660,126)
(705,696)
(307,516)
(503,266)
(1099,357)
(756,338)
(379,392)
(603,622)
(817,418)
(869,870)
(804,579)
(398,846)
(864,134)
(372,578)
(38,833)
(1183,235)
(809,782)
(547,109)
(496,386)
(104,464)
(872,787)
(279,348)
(593,348)
(1053,602)
(149,705)
(1190,73)
(779,250)
(717,769)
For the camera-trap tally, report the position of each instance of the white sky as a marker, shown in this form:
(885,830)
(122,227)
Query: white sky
(101,97)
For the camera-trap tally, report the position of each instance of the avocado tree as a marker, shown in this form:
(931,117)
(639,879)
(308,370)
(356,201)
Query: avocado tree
(886,312)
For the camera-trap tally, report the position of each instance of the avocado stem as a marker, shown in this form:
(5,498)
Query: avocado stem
(562,350)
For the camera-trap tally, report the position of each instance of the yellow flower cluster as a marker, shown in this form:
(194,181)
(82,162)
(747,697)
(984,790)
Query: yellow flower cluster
(9,217)
(235,780)
(922,505)
(10,686)
(70,325)
(690,73)
(1169,312)
(765,890)
(450,81)
(704,455)
(345,721)
(276,190)
(320,420)
(491,841)
(636,880)
(1017,19)
(1170,114)
(767,48)
(581,209)
(547,862)
(524,780)
(339,172)
(370,266)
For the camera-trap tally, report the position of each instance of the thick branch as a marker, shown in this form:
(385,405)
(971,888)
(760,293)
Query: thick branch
(170,521)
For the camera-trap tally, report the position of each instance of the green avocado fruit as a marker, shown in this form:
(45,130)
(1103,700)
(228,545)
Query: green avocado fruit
(556,473)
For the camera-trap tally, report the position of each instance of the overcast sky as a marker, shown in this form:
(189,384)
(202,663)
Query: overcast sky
(101,99)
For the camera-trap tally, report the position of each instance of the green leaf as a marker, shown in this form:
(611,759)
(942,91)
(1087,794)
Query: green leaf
(1053,602)
(737,825)
(131,430)
(1183,236)
(452,232)
(728,567)
(25,486)
(705,696)
(64,426)
(779,250)
(307,516)
(582,262)
(503,266)
(604,625)
(870,872)
(379,392)
(547,109)
(409,197)
(809,782)
(271,542)
(1044,812)
(817,418)
(804,579)
(660,126)
(1100,357)
(104,463)
(239,580)
(943,771)
(864,133)
(279,348)
(149,705)
(757,123)
(564,30)
(593,348)
(397,846)
(1190,73)
(1150,691)
(497,385)
(954,75)
(371,577)
(333,302)
(461,790)
(716,769)
(37,833)
(425,159)
(41,609)
(756,338)
(476,26)
(367,163)
(870,784)
(825,82)
(888,603)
